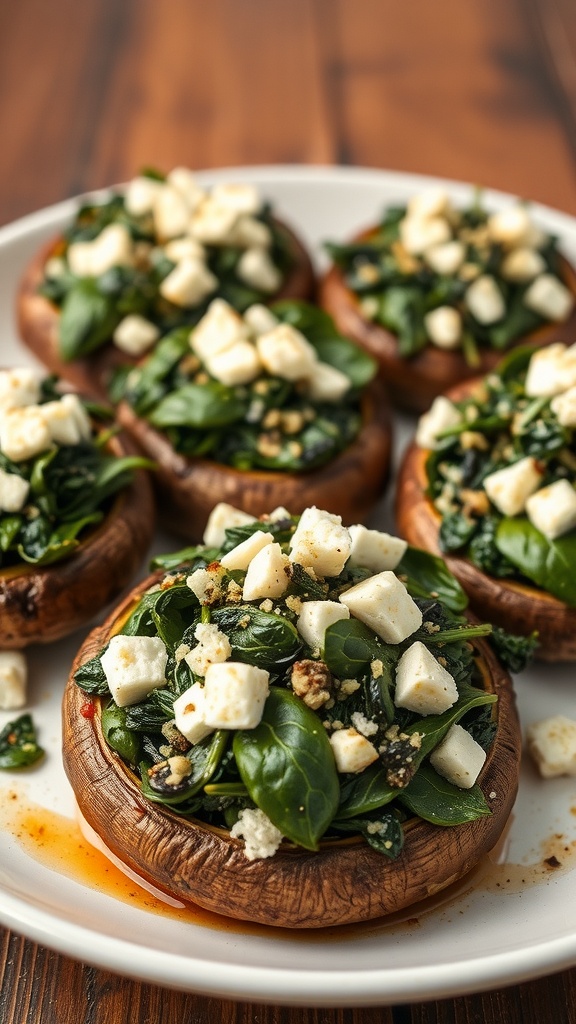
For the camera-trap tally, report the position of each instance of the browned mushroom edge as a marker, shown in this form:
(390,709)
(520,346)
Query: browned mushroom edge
(345,882)
(39,319)
(413,383)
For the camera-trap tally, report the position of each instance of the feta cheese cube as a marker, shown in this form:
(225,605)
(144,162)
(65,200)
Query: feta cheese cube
(212,222)
(184,248)
(374,549)
(446,258)
(261,837)
(61,422)
(189,283)
(206,584)
(171,213)
(75,407)
(423,685)
(418,234)
(522,265)
(548,297)
(24,433)
(552,509)
(352,751)
(239,196)
(234,695)
(219,329)
(13,491)
(135,334)
(134,666)
(140,195)
(250,233)
(113,247)
(320,542)
(189,714)
(327,384)
(260,319)
(223,517)
(550,371)
(564,407)
(315,618)
(239,364)
(383,603)
(13,680)
(485,300)
(18,387)
(241,556)
(510,227)
(183,180)
(256,268)
(458,758)
(444,326)
(431,202)
(442,415)
(286,353)
(552,744)
(267,575)
(509,488)
(213,647)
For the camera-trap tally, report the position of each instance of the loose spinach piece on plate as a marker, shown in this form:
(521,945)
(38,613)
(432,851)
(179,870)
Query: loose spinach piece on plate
(19,746)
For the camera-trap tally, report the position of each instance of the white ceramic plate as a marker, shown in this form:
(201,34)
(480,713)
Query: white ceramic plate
(494,934)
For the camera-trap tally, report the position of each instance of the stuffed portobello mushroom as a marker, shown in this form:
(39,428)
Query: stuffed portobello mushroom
(490,482)
(149,257)
(272,407)
(437,293)
(294,724)
(76,510)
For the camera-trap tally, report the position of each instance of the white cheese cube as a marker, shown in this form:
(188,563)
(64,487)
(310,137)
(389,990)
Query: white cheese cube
(458,758)
(239,364)
(286,353)
(134,666)
(184,248)
(446,258)
(510,227)
(55,267)
(206,584)
(256,269)
(140,195)
(315,618)
(13,680)
(171,213)
(113,247)
(234,695)
(552,509)
(135,334)
(24,433)
(213,647)
(548,297)
(241,556)
(260,319)
(239,196)
(550,372)
(442,415)
(564,407)
(418,234)
(223,517)
(485,300)
(212,222)
(510,488)
(374,549)
(189,714)
(219,329)
(522,265)
(431,202)
(189,283)
(18,387)
(444,326)
(552,744)
(423,685)
(327,384)
(250,233)
(183,180)
(383,603)
(62,422)
(13,491)
(320,542)
(267,575)
(352,751)
(278,514)
(261,837)
(75,407)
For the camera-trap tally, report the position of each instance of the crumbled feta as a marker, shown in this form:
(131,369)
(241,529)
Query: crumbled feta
(261,837)
(189,283)
(239,196)
(364,725)
(24,432)
(430,202)
(327,384)
(374,549)
(286,353)
(510,488)
(548,297)
(171,213)
(189,714)
(140,195)
(458,758)
(551,371)
(13,680)
(418,234)
(13,491)
(422,684)
(564,407)
(250,233)
(552,744)
(183,180)
(18,387)
(241,556)
(444,326)
(446,258)
(267,574)
(511,226)
(238,364)
(485,300)
(220,328)
(384,604)
(256,268)
(184,248)
(113,247)
(134,666)
(77,410)
(212,222)
(522,265)
(314,619)
(135,334)
(212,647)
(223,517)
(352,751)
(260,319)
(320,542)
(206,584)
(65,424)
(442,415)
(552,509)
(234,695)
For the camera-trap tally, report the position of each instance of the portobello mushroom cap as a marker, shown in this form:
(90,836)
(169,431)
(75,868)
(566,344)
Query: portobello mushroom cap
(39,319)
(39,604)
(344,882)
(350,484)
(517,607)
(415,382)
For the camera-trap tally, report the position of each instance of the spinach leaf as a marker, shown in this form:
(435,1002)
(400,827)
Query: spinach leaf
(332,348)
(549,564)
(433,728)
(88,318)
(200,406)
(90,676)
(259,638)
(350,646)
(515,652)
(288,768)
(427,575)
(365,792)
(436,800)
(384,833)
(18,744)
(117,735)
(204,758)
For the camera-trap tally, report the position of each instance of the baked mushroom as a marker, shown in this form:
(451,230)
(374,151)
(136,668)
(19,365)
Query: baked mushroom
(270,408)
(76,511)
(307,744)
(436,293)
(145,259)
(489,482)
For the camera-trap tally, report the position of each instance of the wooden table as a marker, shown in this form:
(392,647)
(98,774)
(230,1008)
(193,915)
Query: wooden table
(483,91)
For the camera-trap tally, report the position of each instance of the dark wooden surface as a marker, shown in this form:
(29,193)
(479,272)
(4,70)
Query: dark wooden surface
(482,91)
